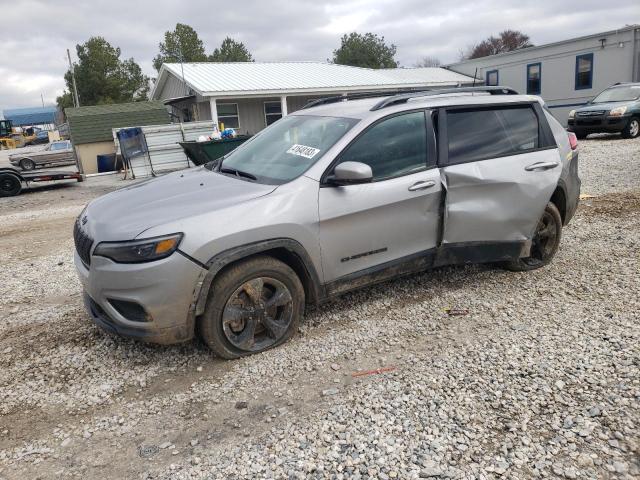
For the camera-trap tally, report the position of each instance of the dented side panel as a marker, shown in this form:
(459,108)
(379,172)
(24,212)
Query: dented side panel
(362,226)
(498,199)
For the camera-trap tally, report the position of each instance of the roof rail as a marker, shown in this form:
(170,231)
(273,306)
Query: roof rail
(404,97)
(357,96)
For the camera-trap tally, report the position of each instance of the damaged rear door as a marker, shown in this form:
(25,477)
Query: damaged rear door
(499,166)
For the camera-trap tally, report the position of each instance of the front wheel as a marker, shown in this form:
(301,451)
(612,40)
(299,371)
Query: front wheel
(632,130)
(27,164)
(544,244)
(254,305)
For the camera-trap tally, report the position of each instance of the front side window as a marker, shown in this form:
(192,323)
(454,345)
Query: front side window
(492,78)
(272,112)
(228,115)
(534,85)
(59,146)
(393,147)
(286,149)
(584,71)
(487,133)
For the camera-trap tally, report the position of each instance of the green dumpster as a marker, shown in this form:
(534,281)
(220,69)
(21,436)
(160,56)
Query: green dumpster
(203,152)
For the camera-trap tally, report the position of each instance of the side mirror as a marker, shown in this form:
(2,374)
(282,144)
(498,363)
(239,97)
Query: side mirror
(351,173)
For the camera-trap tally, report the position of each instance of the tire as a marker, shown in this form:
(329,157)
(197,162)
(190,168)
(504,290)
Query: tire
(260,292)
(10,185)
(632,130)
(543,248)
(27,164)
(581,136)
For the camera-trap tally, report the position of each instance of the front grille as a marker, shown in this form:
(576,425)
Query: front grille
(83,243)
(590,123)
(591,113)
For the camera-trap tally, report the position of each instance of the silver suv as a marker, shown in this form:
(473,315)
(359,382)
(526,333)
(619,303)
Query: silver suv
(342,194)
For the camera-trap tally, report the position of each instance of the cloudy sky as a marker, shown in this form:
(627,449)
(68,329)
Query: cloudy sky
(36,33)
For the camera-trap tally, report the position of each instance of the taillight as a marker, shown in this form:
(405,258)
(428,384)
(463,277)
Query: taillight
(573,140)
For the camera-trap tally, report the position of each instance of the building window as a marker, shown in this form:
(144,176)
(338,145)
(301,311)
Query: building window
(534,80)
(228,115)
(272,112)
(584,71)
(492,77)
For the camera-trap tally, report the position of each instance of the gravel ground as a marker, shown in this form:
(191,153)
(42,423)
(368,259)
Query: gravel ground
(540,378)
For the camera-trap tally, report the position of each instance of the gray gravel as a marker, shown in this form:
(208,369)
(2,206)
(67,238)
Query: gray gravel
(540,378)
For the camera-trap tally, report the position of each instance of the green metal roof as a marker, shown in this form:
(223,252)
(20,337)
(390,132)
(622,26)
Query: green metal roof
(95,123)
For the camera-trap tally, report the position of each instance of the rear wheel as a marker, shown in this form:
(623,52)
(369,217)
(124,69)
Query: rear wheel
(27,164)
(253,306)
(545,242)
(632,130)
(10,185)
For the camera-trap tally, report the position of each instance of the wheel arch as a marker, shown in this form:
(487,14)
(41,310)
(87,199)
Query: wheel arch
(287,250)
(559,199)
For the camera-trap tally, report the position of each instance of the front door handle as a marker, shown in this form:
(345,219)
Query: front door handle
(422,185)
(541,166)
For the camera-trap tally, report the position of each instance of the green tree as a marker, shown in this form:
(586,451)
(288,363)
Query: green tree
(102,77)
(231,51)
(368,50)
(181,44)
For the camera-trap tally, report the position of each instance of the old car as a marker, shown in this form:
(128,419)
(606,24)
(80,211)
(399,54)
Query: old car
(56,153)
(333,197)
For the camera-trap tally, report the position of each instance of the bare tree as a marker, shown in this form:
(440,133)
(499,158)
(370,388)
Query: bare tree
(506,41)
(428,62)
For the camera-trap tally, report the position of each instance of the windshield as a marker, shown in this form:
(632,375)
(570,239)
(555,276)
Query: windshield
(286,149)
(619,94)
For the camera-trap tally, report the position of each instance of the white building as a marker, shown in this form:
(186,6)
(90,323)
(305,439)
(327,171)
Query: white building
(567,73)
(249,96)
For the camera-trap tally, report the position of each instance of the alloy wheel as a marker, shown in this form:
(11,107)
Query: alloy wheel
(258,314)
(634,128)
(544,240)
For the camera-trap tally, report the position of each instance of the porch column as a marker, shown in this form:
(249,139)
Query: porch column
(214,110)
(283,105)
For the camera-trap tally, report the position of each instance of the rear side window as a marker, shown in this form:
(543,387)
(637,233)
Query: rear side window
(482,134)
(393,147)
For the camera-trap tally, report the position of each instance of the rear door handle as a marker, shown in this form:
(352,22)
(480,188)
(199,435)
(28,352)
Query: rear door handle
(541,166)
(422,185)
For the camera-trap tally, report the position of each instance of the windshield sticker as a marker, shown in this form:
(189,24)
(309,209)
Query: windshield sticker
(303,151)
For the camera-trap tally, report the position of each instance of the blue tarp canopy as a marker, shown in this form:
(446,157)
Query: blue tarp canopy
(30,116)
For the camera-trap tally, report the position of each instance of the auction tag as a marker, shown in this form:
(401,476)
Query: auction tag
(303,151)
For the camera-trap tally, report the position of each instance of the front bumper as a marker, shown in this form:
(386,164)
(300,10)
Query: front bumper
(597,124)
(164,288)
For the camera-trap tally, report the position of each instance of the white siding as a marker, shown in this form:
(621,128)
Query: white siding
(612,63)
(172,88)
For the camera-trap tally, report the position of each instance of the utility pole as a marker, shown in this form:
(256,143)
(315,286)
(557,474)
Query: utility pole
(42,98)
(76,99)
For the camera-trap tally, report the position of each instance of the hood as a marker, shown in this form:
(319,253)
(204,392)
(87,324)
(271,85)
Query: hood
(601,106)
(128,212)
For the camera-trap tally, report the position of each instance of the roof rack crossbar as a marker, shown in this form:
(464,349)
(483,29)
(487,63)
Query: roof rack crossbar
(358,95)
(404,97)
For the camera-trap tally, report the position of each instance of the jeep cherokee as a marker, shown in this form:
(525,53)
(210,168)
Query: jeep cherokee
(344,193)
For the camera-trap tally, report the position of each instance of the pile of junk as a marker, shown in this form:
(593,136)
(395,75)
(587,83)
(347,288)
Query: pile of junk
(211,147)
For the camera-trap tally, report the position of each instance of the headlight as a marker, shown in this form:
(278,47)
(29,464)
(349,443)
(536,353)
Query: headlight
(138,251)
(572,113)
(617,112)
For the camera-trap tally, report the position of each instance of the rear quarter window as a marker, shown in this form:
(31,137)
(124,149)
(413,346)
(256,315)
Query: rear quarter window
(480,134)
